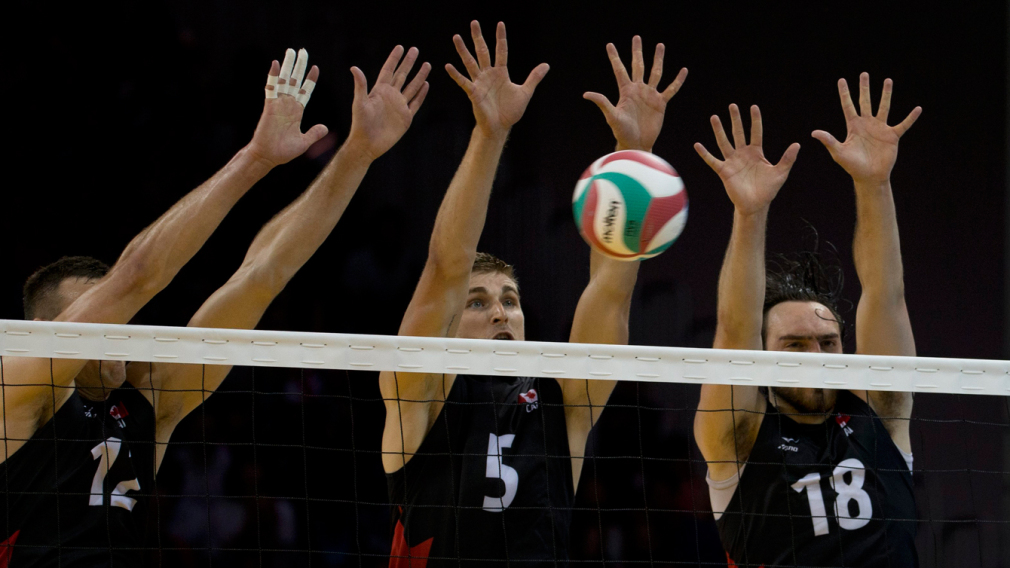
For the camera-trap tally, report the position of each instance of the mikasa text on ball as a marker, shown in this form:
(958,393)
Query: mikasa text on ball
(630,205)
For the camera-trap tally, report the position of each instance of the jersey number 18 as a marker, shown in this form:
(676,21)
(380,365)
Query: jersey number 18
(846,493)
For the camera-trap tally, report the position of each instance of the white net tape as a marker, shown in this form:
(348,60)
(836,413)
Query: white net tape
(515,358)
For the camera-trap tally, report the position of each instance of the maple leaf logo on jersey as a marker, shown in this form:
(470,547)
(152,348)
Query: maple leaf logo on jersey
(528,396)
(530,399)
(118,413)
(843,421)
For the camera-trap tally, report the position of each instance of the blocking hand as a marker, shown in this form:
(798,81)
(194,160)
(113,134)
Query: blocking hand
(498,103)
(871,146)
(381,117)
(278,138)
(638,116)
(751,181)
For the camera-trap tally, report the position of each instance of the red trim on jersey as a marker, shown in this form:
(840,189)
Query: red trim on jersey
(731,564)
(6,549)
(402,555)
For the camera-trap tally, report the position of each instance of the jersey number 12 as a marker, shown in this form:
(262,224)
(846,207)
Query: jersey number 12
(106,454)
(847,492)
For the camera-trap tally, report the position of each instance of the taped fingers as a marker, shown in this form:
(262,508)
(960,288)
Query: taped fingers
(285,75)
(272,76)
(310,83)
(298,73)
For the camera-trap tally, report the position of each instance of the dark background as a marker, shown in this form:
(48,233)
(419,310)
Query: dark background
(115,110)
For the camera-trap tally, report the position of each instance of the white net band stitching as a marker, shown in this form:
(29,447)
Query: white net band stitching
(514,358)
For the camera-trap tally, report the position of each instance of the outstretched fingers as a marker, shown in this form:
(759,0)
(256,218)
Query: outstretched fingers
(789,157)
(619,71)
(462,81)
(464,54)
(903,127)
(305,92)
(657,66)
(736,122)
(418,100)
(360,85)
(479,45)
(865,104)
(827,139)
(400,75)
(720,137)
(285,73)
(637,60)
(756,127)
(601,101)
(419,80)
(847,107)
(536,75)
(389,67)
(885,101)
(711,160)
(501,47)
(272,76)
(675,85)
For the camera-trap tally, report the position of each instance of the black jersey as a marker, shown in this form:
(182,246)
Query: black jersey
(832,494)
(74,493)
(491,483)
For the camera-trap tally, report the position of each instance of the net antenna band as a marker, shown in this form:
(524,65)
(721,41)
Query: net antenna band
(71,340)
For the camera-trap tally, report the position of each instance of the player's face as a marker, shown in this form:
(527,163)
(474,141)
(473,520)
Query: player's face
(808,327)
(492,309)
(98,378)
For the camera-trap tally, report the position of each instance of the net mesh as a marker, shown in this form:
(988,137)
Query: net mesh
(283,466)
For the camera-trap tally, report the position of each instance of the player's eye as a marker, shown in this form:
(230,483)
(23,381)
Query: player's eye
(475,304)
(508,303)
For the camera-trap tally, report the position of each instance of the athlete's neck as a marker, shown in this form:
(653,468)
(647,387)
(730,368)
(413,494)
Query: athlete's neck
(799,416)
(94,394)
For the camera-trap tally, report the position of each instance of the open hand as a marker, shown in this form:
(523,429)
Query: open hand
(871,146)
(751,181)
(638,116)
(381,117)
(498,103)
(278,138)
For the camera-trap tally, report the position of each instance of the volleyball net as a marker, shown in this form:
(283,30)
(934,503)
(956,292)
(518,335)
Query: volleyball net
(283,464)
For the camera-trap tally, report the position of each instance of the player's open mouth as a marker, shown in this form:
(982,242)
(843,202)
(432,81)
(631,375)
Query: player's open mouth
(504,335)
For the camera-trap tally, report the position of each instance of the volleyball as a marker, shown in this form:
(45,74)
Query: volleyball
(630,205)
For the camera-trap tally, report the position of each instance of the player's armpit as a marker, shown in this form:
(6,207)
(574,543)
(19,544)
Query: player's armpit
(413,402)
(726,426)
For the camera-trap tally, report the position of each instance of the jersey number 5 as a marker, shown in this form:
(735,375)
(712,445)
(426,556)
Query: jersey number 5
(106,454)
(497,470)
(847,492)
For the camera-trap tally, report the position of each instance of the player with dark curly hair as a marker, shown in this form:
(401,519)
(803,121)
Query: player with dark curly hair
(800,476)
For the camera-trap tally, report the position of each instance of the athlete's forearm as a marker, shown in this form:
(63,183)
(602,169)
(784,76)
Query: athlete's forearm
(742,284)
(461,217)
(876,248)
(156,255)
(287,242)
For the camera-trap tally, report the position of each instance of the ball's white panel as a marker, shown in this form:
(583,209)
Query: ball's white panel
(658,183)
(610,217)
(580,188)
(671,230)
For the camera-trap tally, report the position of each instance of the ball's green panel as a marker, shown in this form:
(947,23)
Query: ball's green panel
(580,203)
(636,202)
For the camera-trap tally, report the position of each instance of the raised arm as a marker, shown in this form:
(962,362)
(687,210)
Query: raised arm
(441,292)
(726,422)
(156,255)
(868,155)
(379,119)
(602,313)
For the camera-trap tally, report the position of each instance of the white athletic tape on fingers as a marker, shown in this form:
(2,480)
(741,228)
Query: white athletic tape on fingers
(307,87)
(289,61)
(298,73)
(271,82)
